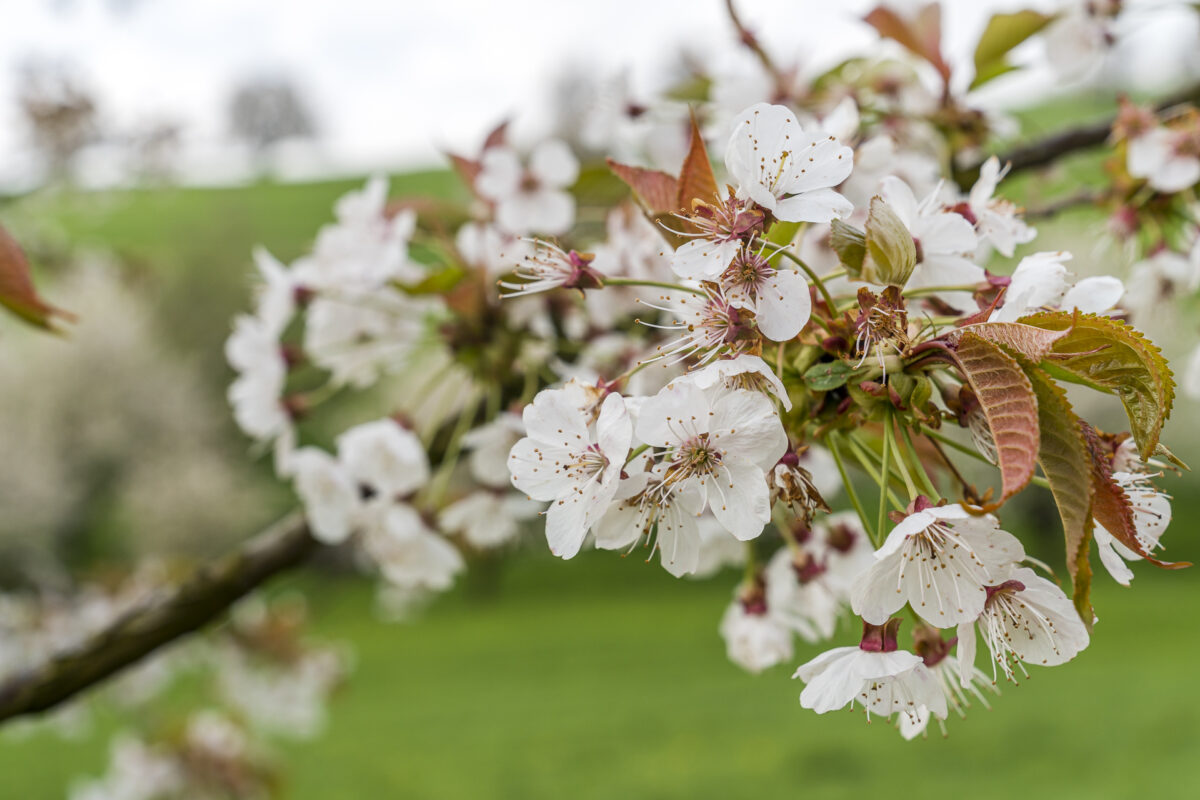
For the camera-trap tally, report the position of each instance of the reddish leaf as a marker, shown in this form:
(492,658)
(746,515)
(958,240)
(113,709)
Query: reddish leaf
(16,286)
(1025,340)
(921,35)
(1066,462)
(696,179)
(657,191)
(467,169)
(497,136)
(1009,406)
(1110,504)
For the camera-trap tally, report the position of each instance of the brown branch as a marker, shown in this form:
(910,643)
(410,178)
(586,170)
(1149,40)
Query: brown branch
(1084,197)
(1072,140)
(199,600)
(747,38)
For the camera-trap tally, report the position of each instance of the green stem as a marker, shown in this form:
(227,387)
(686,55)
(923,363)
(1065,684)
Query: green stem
(1036,480)
(795,259)
(850,491)
(652,284)
(922,474)
(637,451)
(837,273)
(867,459)
(924,290)
(890,435)
(437,487)
(885,471)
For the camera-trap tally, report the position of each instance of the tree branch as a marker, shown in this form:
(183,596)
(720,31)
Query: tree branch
(1084,137)
(191,605)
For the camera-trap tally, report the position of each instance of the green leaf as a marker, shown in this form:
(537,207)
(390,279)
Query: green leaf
(828,375)
(1066,461)
(17,293)
(1009,405)
(851,246)
(1002,34)
(890,246)
(1110,356)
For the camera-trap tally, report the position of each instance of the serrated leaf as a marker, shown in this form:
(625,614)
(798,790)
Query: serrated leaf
(1026,340)
(890,247)
(828,375)
(851,246)
(1008,404)
(1066,462)
(1111,506)
(657,191)
(17,292)
(921,35)
(1002,34)
(696,178)
(1110,356)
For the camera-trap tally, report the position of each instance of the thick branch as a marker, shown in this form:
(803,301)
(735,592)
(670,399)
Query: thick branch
(161,619)
(1046,151)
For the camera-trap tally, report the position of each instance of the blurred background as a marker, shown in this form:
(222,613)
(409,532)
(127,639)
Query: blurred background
(147,147)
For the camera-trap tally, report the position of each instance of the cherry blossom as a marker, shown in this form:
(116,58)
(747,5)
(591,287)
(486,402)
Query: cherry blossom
(488,519)
(996,219)
(568,460)
(533,198)
(939,560)
(1168,159)
(786,171)
(755,640)
(719,443)
(1027,620)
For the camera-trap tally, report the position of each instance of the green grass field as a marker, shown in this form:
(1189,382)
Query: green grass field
(603,677)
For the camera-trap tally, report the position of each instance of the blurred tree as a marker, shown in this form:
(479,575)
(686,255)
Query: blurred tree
(60,111)
(264,111)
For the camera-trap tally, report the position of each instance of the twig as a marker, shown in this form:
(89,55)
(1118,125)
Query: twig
(1084,197)
(747,38)
(1084,137)
(191,605)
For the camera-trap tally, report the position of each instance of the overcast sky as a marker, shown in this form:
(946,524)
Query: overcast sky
(394,83)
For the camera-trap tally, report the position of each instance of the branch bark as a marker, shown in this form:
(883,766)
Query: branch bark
(1072,140)
(188,607)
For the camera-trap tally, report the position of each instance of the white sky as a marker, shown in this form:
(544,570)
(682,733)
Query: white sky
(393,83)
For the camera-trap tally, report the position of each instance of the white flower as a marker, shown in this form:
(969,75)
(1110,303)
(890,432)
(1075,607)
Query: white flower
(1166,158)
(633,249)
(1151,516)
(408,552)
(742,372)
(778,298)
(708,325)
(365,249)
(531,199)
(645,505)
(384,456)
(882,682)
(717,548)
(939,561)
(843,549)
(798,598)
(486,246)
(996,219)
(879,157)
(550,267)
(1159,277)
(786,171)
(331,499)
(720,443)
(489,445)
(1041,281)
(254,346)
(257,402)
(754,640)
(358,336)
(943,239)
(487,519)
(1026,619)
(575,465)
(1191,375)
(275,304)
(717,230)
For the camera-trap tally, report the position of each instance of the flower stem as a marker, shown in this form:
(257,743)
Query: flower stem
(1036,480)
(652,284)
(637,451)
(885,472)
(850,491)
(890,436)
(868,459)
(922,474)
(795,259)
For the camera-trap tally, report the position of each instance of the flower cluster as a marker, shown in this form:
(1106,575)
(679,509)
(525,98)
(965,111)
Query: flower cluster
(711,370)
